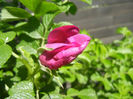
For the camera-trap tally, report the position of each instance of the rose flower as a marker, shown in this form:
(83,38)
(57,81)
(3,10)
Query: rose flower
(66,43)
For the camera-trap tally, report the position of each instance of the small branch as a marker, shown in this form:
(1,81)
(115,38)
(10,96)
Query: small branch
(43,41)
(15,55)
(65,1)
(37,94)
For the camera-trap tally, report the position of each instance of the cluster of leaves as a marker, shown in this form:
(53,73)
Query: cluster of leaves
(101,71)
(109,67)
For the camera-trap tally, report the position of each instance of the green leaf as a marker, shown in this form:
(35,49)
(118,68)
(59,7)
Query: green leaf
(31,4)
(68,76)
(56,25)
(4,26)
(26,56)
(7,15)
(27,60)
(84,32)
(87,94)
(28,44)
(1,74)
(72,92)
(29,49)
(76,66)
(58,81)
(1,42)
(107,84)
(64,8)
(45,7)
(107,63)
(82,78)
(21,95)
(115,54)
(45,97)
(72,9)
(84,58)
(7,37)
(130,73)
(113,95)
(125,31)
(47,22)
(48,19)
(8,73)
(32,28)
(34,34)
(52,96)
(14,13)
(87,1)
(103,80)
(68,97)
(96,77)
(23,86)
(103,50)
(124,51)
(5,53)
(68,7)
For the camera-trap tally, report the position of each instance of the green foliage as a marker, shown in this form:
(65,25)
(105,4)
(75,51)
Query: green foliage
(7,37)
(9,13)
(87,94)
(100,72)
(87,1)
(45,7)
(22,95)
(22,90)
(24,86)
(5,53)
(31,4)
(124,31)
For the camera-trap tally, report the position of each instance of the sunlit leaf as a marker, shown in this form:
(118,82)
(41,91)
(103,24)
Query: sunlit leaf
(5,53)
(7,37)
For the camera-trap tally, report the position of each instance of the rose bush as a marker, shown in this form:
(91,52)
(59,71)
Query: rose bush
(66,43)
(102,71)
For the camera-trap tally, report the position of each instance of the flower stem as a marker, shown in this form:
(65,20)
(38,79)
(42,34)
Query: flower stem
(43,38)
(37,94)
(43,41)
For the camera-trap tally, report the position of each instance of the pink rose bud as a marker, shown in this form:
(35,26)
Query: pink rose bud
(66,43)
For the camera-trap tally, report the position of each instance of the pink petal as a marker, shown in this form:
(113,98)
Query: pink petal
(60,35)
(53,63)
(60,45)
(74,51)
(78,38)
(55,45)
